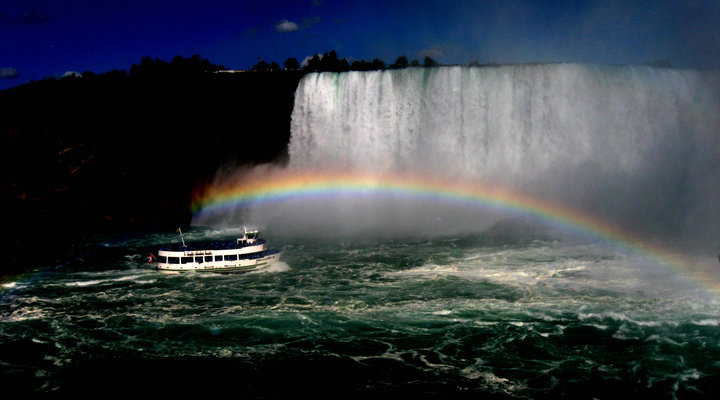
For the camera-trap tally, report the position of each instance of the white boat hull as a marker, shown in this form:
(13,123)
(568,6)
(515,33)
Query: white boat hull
(241,265)
(247,253)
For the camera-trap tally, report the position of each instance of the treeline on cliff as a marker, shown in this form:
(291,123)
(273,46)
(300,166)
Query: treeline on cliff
(331,62)
(124,149)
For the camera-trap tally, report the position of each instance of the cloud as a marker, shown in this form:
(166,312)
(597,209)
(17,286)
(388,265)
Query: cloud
(286,26)
(8,73)
(289,26)
(71,74)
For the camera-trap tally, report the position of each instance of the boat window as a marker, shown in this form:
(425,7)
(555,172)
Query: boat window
(231,257)
(199,260)
(173,260)
(218,258)
(187,260)
(208,258)
(162,259)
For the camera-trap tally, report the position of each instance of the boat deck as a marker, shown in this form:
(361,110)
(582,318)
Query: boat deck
(221,245)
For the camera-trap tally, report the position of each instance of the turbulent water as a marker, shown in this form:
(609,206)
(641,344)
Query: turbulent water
(492,314)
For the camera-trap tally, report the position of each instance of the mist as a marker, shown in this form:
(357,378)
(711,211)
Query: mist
(636,147)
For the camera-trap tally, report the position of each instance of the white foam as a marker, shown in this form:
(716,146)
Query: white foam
(85,283)
(707,322)
(279,266)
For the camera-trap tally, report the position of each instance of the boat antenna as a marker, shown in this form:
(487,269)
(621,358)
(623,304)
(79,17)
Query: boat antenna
(181,237)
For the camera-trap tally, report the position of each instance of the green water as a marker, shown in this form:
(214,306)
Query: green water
(450,317)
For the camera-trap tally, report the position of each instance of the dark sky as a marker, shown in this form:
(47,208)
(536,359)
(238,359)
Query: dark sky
(45,38)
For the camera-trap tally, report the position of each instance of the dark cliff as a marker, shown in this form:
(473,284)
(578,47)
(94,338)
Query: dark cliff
(123,151)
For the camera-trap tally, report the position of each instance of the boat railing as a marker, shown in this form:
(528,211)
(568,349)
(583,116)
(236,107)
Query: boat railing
(226,245)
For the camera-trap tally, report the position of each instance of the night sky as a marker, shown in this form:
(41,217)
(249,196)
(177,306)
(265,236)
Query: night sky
(47,38)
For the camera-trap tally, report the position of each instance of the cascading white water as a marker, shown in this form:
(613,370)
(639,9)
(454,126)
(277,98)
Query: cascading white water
(516,122)
(634,144)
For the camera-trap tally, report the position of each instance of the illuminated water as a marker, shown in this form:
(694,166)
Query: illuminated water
(486,315)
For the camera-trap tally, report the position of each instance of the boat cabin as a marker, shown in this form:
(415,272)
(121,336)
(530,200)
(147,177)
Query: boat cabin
(248,238)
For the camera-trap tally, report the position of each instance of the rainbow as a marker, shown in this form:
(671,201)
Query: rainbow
(283,185)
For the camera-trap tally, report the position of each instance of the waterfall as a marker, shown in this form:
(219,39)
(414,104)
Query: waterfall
(635,144)
(514,122)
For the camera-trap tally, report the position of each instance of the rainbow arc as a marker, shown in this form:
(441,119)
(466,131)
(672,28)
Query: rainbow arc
(280,186)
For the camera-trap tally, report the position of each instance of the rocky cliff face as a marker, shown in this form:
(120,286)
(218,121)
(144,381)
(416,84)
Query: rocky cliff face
(118,151)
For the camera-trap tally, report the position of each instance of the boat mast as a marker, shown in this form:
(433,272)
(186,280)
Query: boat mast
(181,237)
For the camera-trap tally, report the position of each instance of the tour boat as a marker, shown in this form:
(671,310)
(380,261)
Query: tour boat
(247,253)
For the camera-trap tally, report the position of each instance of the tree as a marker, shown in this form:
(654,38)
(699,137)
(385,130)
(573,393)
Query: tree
(415,63)
(143,70)
(314,63)
(361,65)
(378,64)
(331,62)
(401,62)
(331,56)
(344,65)
(429,62)
(291,64)
(262,66)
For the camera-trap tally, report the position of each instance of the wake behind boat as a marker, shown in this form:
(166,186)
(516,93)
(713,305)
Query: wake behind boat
(247,253)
